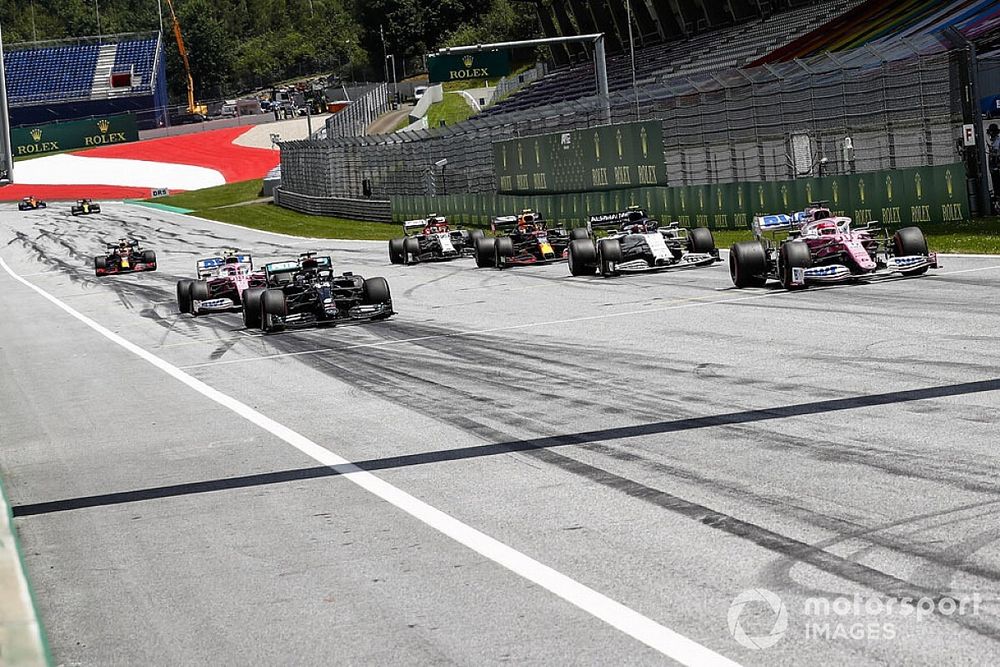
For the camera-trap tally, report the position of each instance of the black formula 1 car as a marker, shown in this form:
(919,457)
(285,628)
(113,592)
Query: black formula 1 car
(125,256)
(85,207)
(635,242)
(524,239)
(222,280)
(308,292)
(432,239)
(30,204)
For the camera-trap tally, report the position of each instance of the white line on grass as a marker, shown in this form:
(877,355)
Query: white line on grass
(658,637)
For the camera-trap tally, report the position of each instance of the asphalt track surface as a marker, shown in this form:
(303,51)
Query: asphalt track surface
(544,469)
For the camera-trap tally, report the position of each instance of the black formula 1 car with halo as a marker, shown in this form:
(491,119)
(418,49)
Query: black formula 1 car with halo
(308,292)
(125,256)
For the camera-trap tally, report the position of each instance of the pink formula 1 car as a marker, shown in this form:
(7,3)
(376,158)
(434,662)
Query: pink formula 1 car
(819,247)
(222,281)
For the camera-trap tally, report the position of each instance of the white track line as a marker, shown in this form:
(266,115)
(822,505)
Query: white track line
(632,623)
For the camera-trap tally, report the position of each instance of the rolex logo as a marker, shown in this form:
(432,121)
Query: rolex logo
(103,126)
(467,61)
(36,134)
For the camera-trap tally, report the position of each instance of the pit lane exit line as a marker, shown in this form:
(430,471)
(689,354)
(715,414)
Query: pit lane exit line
(645,630)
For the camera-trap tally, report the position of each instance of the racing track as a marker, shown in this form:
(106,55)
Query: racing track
(664,440)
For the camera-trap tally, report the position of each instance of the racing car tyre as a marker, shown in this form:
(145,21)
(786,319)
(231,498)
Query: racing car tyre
(411,250)
(100,264)
(701,240)
(484,252)
(272,304)
(748,264)
(149,257)
(95,208)
(375,290)
(75,210)
(184,295)
(396,253)
(582,257)
(22,207)
(199,291)
(792,255)
(609,253)
(910,241)
(251,307)
(476,234)
(42,204)
(578,233)
(503,248)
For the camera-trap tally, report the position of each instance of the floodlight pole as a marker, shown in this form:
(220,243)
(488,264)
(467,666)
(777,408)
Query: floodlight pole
(600,60)
(7,157)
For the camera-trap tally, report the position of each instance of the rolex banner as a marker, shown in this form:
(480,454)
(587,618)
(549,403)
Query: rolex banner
(70,135)
(442,68)
(604,158)
(921,196)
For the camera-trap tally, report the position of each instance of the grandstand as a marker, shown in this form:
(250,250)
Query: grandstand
(729,47)
(52,81)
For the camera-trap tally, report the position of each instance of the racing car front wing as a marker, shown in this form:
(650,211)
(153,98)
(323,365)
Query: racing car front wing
(131,268)
(836,273)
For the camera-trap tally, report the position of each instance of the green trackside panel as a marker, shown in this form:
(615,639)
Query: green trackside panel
(56,137)
(607,158)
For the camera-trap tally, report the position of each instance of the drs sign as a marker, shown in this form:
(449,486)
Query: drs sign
(442,68)
(55,137)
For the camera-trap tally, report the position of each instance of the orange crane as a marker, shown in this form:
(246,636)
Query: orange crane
(193,107)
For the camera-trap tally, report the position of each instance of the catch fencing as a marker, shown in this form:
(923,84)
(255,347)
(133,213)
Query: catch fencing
(830,115)
(354,119)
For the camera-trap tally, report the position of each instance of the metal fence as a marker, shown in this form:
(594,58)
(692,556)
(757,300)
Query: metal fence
(856,112)
(353,120)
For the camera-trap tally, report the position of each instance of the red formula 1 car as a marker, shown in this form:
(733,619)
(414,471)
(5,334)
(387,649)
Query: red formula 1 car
(819,247)
(524,239)
(220,285)
(30,204)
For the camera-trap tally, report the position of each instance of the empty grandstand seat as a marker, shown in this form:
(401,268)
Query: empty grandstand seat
(53,73)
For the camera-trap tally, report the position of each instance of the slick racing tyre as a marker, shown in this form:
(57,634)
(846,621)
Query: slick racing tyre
(251,307)
(396,251)
(184,295)
(485,256)
(100,264)
(149,257)
(748,264)
(910,241)
(272,306)
(792,255)
(375,291)
(503,248)
(475,234)
(578,233)
(700,240)
(200,291)
(411,250)
(582,257)
(609,255)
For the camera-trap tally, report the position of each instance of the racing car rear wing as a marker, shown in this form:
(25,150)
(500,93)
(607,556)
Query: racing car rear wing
(774,223)
(614,220)
(504,223)
(422,222)
(208,265)
(131,244)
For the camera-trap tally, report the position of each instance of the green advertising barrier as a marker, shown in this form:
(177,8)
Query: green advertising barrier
(55,137)
(442,68)
(919,196)
(613,157)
